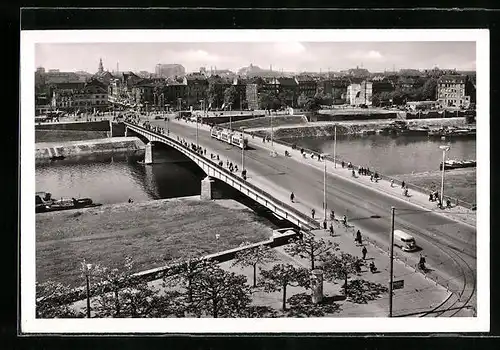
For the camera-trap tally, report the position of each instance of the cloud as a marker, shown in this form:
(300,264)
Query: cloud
(371,55)
(289,48)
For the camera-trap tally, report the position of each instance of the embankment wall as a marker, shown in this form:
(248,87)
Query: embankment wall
(48,150)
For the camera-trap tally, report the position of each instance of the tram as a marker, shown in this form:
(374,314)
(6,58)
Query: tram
(232,138)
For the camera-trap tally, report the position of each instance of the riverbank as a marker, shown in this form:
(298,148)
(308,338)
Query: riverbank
(150,232)
(351,127)
(459,183)
(48,150)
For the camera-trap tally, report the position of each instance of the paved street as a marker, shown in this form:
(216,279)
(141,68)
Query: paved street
(449,246)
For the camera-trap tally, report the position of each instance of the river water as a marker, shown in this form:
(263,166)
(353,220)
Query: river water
(115,178)
(109,179)
(392,155)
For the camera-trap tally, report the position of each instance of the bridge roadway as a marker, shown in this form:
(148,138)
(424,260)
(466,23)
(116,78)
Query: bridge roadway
(449,246)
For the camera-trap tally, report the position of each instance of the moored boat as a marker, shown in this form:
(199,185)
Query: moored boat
(457,164)
(45,203)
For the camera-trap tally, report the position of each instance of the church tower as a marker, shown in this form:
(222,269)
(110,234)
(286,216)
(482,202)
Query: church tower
(101,69)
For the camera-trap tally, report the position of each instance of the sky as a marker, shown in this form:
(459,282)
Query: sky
(289,56)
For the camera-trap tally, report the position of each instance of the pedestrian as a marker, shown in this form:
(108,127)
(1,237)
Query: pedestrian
(358,237)
(371,178)
(343,164)
(392,183)
(331,229)
(292,197)
(364,251)
(344,220)
(130,200)
(324,225)
(313,212)
(403,184)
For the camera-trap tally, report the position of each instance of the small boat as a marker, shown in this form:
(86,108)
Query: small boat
(457,164)
(57,157)
(45,203)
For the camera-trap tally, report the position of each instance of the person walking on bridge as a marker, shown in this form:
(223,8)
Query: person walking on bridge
(292,197)
(313,212)
(364,251)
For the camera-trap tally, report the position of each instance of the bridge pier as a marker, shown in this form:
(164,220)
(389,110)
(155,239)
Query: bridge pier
(148,156)
(209,189)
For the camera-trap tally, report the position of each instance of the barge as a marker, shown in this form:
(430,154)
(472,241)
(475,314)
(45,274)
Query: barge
(457,164)
(45,203)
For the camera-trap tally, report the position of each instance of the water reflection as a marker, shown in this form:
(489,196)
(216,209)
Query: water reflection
(115,178)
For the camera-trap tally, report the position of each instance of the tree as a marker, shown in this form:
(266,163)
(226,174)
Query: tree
(219,293)
(213,94)
(184,272)
(429,89)
(340,267)
(308,247)
(230,95)
(301,305)
(283,275)
(50,301)
(254,256)
(361,291)
(302,100)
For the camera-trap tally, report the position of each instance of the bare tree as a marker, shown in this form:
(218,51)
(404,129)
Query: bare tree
(283,275)
(254,256)
(341,267)
(219,293)
(308,247)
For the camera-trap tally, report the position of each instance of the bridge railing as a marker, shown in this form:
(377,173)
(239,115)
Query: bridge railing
(281,208)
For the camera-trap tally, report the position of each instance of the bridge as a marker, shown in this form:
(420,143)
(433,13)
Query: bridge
(215,171)
(447,243)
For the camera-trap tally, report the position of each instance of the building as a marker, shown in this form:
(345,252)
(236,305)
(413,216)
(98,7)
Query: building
(360,93)
(197,89)
(120,89)
(455,91)
(92,97)
(169,70)
(308,86)
(337,88)
(217,85)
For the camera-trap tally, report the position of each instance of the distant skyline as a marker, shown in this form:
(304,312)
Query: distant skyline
(287,56)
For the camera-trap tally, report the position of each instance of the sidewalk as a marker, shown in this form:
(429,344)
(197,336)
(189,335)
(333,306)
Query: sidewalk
(419,295)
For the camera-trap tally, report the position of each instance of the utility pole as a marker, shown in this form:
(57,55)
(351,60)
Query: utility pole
(391,271)
(335,146)
(324,186)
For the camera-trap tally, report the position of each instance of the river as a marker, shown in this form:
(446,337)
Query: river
(115,178)
(110,179)
(392,155)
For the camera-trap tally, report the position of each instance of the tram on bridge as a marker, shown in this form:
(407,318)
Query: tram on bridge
(227,136)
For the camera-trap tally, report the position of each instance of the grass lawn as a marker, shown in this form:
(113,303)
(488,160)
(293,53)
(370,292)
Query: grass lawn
(67,135)
(459,183)
(151,233)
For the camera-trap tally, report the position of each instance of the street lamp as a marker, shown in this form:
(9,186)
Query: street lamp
(445,148)
(86,268)
(391,269)
(324,183)
(335,146)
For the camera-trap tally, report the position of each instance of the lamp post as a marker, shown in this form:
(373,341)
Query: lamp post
(242,152)
(86,270)
(324,184)
(335,147)
(445,148)
(391,270)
